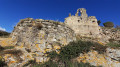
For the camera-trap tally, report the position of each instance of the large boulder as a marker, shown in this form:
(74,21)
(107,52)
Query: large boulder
(35,38)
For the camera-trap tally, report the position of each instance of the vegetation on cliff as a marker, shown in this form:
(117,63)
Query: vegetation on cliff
(108,24)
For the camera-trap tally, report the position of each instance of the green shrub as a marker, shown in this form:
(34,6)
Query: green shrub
(9,47)
(108,24)
(32,62)
(46,64)
(99,48)
(113,45)
(6,47)
(73,50)
(2,63)
(67,64)
(1,48)
(76,64)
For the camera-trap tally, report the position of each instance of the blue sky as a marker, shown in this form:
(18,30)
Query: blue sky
(11,11)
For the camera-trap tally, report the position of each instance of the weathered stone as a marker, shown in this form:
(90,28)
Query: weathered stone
(114,54)
(110,35)
(83,24)
(96,59)
(36,37)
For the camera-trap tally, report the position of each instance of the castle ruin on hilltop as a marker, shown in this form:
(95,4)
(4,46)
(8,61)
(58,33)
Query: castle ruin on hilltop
(83,24)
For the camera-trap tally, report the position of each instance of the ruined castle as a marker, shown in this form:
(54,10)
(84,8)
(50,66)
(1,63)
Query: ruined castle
(83,24)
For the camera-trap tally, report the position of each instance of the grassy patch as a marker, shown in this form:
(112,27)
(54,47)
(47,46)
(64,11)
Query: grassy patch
(47,64)
(30,62)
(2,63)
(6,47)
(67,64)
(113,45)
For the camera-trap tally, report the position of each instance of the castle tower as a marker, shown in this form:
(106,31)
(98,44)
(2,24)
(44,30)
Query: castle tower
(83,24)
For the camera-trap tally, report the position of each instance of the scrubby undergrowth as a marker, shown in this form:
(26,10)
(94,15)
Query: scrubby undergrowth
(64,57)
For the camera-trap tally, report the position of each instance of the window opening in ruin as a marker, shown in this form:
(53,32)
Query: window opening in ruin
(78,20)
(93,21)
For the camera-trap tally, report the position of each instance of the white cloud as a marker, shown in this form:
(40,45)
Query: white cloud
(3,29)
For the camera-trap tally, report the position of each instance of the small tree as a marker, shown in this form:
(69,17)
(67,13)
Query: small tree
(98,22)
(108,24)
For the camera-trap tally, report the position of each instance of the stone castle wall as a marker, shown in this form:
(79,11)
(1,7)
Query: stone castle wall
(35,38)
(83,24)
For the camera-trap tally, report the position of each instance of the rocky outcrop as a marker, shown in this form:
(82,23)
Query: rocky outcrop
(110,58)
(110,35)
(114,54)
(35,38)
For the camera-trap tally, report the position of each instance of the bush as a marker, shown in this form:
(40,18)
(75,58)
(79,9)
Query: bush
(6,47)
(32,63)
(108,24)
(2,63)
(1,48)
(73,49)
(68,64)
(113,45)
(54,64)
(47,64)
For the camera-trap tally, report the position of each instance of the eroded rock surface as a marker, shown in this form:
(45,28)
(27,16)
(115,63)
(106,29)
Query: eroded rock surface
(35,38)
(111,58)
(110,35)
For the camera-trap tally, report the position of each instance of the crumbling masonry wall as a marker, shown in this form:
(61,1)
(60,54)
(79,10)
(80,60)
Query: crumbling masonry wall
(83,24)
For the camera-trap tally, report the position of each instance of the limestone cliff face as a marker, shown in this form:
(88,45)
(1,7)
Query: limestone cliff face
(36,37)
